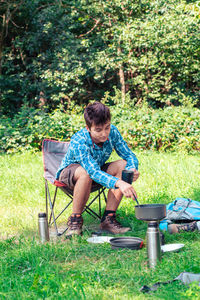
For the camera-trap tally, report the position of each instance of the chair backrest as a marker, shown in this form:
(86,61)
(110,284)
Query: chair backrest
(53,153)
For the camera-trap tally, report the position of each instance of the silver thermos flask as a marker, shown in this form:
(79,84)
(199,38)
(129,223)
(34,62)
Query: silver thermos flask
(43,227)
(153,244)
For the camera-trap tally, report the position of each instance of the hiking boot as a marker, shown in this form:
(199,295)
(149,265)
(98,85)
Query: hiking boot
(110,224)
(74,224)
(177,228)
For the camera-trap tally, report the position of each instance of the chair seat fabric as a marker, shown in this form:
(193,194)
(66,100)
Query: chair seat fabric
(53,153)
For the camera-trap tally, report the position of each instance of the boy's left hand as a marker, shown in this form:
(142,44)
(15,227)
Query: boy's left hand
(136,174)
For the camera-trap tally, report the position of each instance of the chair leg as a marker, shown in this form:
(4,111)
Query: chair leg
(105,198)
(54,199)
(91,213)
(99,205)
(89,210)
(51,206)
(46,199)
(62,211)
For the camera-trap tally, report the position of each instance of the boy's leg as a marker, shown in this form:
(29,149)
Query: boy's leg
(77,179)
(109,222)
(82,189)
(115,195)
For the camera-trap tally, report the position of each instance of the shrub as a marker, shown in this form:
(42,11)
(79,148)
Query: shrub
(169,129)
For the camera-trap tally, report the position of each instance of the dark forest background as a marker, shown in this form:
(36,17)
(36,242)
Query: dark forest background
(56,56)
(63,51)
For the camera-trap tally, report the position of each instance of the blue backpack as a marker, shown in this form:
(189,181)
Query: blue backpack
(181,209)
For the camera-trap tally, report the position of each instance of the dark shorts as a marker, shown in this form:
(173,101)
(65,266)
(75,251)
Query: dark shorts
(67,174)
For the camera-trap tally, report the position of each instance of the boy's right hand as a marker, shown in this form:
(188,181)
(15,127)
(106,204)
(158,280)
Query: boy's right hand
(126,189)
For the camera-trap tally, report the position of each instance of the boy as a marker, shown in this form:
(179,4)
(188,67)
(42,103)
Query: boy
(85,162)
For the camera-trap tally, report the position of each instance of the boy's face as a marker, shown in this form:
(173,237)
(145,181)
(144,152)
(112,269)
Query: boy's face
(99,133)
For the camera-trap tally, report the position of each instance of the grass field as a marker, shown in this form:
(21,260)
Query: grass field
(74,269)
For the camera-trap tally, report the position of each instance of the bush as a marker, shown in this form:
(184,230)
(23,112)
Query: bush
(170,129)
(30,126)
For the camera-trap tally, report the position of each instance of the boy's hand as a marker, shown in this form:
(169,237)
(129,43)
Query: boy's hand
(136,174)
(126,189)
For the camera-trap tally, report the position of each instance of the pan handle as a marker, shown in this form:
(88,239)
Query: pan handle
(127,176)
(136,199)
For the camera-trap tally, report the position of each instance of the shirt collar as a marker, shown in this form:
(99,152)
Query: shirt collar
(97,147)
(91,143)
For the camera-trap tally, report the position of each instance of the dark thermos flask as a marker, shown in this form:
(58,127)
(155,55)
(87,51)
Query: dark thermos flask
(43,227)
(127,176)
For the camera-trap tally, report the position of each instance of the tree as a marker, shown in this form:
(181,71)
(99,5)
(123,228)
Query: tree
(72,51)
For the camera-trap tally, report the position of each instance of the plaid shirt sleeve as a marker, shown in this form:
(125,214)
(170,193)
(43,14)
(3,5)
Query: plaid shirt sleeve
(85,159)
(124,152)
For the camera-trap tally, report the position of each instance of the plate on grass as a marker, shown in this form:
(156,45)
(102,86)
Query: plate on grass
(171,247)
(99,239)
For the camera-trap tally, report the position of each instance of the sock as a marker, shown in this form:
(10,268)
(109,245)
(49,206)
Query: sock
(75,215)
(107,212)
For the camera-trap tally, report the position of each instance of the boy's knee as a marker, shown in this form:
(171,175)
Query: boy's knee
(86,177)
(117,167)
(83,175)
(123,164)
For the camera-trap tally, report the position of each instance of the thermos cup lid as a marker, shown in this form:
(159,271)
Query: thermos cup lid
(42,215)
(127,171)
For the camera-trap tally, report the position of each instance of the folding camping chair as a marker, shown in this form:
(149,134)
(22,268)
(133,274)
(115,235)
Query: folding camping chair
(53,153)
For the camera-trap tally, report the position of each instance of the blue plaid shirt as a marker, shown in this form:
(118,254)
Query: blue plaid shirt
(92,157)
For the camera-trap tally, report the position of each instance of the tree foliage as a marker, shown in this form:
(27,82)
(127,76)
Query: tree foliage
(71,51)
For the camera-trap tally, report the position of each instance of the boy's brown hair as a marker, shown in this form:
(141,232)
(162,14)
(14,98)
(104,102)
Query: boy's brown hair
(96,113)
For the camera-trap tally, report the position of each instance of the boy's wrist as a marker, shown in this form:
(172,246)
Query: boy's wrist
(117,184)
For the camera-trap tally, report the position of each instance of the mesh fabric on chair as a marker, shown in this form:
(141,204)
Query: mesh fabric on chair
(53,153)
